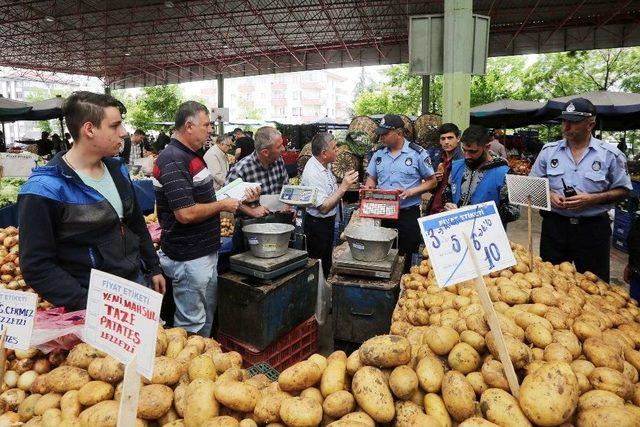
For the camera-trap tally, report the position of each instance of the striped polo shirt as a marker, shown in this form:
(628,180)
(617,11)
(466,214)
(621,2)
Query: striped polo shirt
(181,179)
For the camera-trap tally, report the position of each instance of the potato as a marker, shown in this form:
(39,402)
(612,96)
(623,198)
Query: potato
(458,396)
(224,361)
(599,399)
(502,408)
(65,378)
(321,361)
(538,335)
(300,412)
(611,380)
(601,354)
(630,372)
(584,329)
(430,373)
(27,406)
(202,367)
(106,369)
(103,414)
(556,352)
(200,402)
(373,394)
(166,371)
(549,396)
(179,396)
(312,393)
(441,339)
(464,358)
(237,396)
(608,416)
(48,401)
(474,339)
(247,422)
(422,419)
(513,295)
(221,421)
(353,363)
(267,409)
(518,351)
(94,392)
(385,351)
(300,376)
(259,381)
(405,411)
(70,405)
(477,422)
(360,417)
(82,355)
(154,402)
(583,367)
(52,417)
(477,382)
(40,385)
(339,404)
(403,382)
(333,377)
(434,406)
(493,374)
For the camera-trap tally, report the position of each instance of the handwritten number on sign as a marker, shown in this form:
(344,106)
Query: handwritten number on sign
(456,243)
(491,254)
(435,242)
(476,242)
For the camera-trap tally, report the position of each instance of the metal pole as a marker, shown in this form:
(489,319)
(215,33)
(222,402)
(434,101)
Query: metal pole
(107,90)
(426,83)
(220,80)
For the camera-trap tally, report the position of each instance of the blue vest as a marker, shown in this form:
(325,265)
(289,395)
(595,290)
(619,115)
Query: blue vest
(488,189)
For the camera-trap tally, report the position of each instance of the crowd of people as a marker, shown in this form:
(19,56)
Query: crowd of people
(80,212)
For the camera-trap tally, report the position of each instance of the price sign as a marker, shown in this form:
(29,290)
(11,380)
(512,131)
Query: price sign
(443,236)
(17,313)
(122,319)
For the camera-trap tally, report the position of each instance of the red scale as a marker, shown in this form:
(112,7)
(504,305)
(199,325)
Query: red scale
(380,204)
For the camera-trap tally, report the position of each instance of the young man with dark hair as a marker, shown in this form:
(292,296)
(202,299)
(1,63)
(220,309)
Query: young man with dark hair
(80,211)
(479,177)
(450,150)
(189,215)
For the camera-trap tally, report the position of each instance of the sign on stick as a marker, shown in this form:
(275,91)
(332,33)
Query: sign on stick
(122,319)
(443,237)
(520,188)
(17,313)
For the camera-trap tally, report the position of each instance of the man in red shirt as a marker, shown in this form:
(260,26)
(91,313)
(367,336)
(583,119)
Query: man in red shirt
(441,161)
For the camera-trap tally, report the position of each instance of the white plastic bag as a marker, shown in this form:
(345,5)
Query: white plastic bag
(323,303)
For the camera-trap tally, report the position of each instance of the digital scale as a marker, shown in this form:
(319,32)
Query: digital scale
(298,195)
(268,268)
(345,264)
(380,204)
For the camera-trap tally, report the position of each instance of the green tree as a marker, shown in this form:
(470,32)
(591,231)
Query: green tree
(155,104)
(40,94)
(248,111)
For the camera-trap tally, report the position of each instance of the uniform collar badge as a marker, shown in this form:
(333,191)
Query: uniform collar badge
(596,166)
(554,163)
(408,162)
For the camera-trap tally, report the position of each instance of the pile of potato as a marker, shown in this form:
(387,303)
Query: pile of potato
(10,274)
(227,224)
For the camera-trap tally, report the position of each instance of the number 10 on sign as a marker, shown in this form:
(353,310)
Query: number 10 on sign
(443,237)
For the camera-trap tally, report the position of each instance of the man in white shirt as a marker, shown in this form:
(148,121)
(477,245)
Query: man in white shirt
(496,146)
(319,219)
(217,160)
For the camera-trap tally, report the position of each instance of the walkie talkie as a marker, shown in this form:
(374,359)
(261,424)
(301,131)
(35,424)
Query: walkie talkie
(568,190)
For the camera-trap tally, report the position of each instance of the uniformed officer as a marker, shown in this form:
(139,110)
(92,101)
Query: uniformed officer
(586,177)
(405,166)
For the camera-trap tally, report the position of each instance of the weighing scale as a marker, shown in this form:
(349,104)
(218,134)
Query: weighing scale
(298,195)
(381,204)
(268,268)
(345,264)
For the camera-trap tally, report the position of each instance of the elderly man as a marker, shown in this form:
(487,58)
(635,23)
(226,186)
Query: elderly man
(190,219)
(586,177)
(217,160)
(320,218)
(265,167)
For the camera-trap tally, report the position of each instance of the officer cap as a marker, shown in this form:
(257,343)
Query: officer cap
(577,110)
(389,122)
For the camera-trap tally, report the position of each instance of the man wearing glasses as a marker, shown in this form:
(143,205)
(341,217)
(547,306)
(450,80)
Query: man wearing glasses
(586,177)
(217,160)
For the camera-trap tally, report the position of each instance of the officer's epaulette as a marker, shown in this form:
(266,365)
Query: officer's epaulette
(416,147)
(550,144)
(610,147)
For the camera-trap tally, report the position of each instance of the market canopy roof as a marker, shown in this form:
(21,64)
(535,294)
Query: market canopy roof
(132,43)
(505,113)
(44,110)
(10,108)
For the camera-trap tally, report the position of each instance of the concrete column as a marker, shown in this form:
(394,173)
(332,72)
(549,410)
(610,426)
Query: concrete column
(220,80)
(457,56)
(426,82)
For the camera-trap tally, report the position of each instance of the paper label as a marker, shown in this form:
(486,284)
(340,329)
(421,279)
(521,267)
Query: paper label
(17,313)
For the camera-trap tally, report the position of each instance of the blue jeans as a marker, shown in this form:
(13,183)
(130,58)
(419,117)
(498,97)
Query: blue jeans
(195,291)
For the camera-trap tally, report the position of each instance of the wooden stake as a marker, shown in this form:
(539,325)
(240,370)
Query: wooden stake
(530,234)
(3,353)
(128,411)
(494,324)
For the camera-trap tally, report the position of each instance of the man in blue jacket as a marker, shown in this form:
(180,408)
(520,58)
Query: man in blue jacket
(80,211)
(479,177)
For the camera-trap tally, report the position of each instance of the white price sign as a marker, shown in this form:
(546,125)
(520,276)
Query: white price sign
(122,319)
(450,258)
(17,313)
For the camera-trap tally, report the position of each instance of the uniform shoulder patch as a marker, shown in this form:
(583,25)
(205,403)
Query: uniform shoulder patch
(550,144)
(416,147)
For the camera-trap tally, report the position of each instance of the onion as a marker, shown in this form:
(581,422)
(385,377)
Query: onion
(11,378)
(42,366)
(26,379)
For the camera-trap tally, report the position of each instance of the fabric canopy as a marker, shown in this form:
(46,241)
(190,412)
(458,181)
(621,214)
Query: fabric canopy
(10,108)
(505,113)
(44,110)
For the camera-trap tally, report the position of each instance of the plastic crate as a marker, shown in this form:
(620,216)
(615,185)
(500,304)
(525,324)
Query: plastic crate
(623,217)
(621,229)
(620,244)
(295,346)
(264,368)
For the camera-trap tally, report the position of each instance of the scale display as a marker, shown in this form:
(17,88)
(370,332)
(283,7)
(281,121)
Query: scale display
(380,204)
(298,195)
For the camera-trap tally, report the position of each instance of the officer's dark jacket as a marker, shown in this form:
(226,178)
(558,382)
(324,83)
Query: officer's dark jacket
(67,228)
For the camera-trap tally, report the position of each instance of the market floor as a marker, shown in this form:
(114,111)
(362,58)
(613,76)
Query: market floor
(517,232)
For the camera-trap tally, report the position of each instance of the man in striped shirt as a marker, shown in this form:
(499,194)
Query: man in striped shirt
(190,219)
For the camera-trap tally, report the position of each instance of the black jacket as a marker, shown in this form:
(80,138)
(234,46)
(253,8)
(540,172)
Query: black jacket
(67,228)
